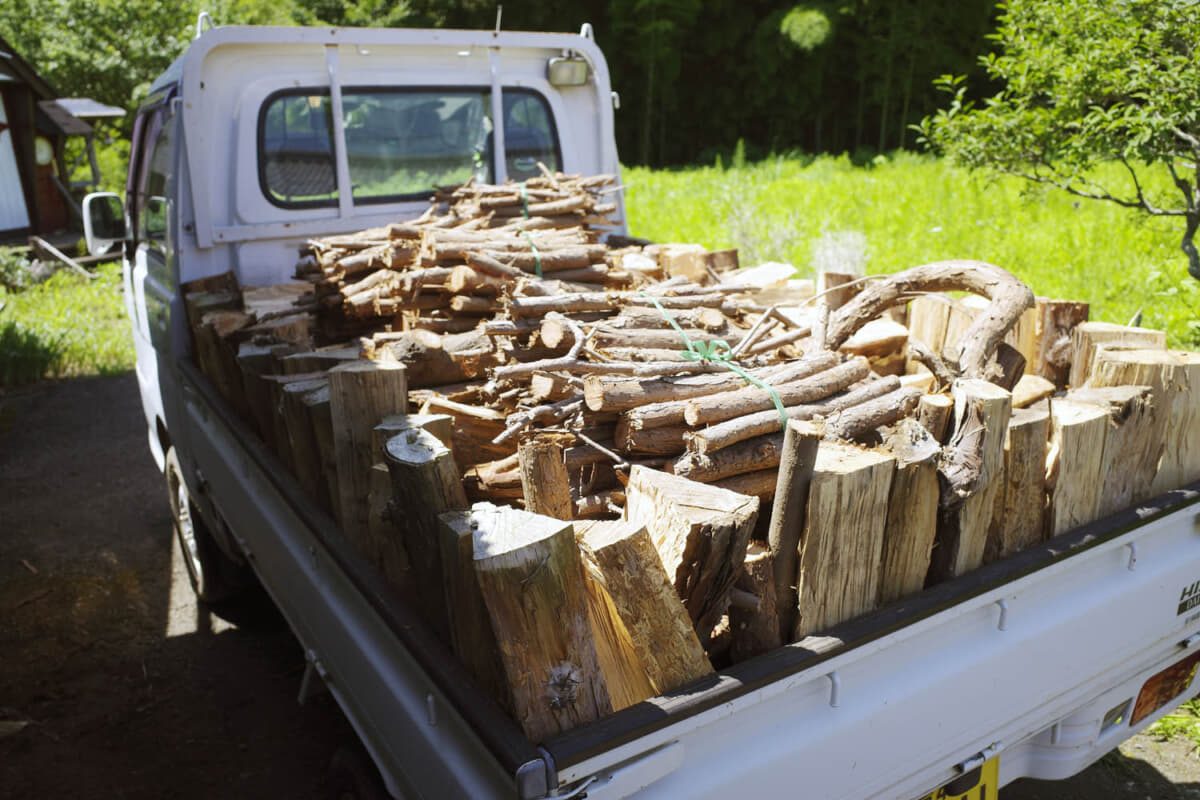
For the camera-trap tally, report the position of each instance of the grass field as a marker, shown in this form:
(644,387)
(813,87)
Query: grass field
(911,210)
(63,327)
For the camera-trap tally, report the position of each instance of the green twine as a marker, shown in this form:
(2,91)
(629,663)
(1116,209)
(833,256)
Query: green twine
(718,352)
(537,256)
(525,200)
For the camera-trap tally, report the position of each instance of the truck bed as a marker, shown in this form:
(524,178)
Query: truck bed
(1035,650)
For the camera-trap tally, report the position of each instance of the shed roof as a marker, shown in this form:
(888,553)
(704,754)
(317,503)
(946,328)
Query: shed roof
(87,108)
(14,66)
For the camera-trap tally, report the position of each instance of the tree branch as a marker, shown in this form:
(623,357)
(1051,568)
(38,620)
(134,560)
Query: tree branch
(1035,177)
(1188,196)
(1137,185)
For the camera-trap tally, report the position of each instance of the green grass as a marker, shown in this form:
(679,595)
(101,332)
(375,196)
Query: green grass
(912,209)
(1183,721)
(64,327)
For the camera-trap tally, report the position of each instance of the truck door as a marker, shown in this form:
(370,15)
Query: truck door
(150,259)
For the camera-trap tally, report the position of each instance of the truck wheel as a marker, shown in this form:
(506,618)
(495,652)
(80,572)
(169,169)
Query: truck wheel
(213,575)
(352,776)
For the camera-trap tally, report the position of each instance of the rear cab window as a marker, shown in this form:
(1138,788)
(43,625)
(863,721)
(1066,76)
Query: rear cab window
(400,143)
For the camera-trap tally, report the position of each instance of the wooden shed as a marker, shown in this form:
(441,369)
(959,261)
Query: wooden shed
(35,197)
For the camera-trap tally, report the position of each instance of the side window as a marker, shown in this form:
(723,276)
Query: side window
(529,135)
(152,222)
(296,151)
(400,143)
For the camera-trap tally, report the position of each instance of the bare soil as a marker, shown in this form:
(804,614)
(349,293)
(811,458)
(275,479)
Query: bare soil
(120,686)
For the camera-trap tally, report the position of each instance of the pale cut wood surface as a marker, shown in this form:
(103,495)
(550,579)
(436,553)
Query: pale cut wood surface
(1030,389)
(533,584)
(1087,337)
(755,629)
(620,662)
(1080,431)
(1133,447)
(840,559)
(658,625)
(1018,515)
(972,469)
(700,532)
(912,511)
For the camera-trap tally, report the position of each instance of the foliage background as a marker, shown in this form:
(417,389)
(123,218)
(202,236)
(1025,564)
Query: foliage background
(694,78)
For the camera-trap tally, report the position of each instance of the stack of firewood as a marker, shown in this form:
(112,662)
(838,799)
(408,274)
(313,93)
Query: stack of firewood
(599,482)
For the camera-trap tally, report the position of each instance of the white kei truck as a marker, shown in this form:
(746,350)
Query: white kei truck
(258,139)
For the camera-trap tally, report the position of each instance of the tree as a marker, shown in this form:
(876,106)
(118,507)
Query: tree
(1087,83)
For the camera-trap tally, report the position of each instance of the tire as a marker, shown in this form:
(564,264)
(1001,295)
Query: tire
(215,577)
(352,776)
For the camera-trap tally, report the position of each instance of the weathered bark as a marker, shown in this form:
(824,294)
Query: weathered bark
(801,389)
(425,483)
(533,585)
(1009,299)
(854,422)
(544,479)
(724,434)
(788,515)
(1056,321)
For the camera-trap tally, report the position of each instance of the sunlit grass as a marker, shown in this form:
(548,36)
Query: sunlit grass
(910,210)
(64,327)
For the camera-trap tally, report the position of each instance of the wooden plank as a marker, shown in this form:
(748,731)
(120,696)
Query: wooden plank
(701,533)
(842,547)
(533,585)
(641,590)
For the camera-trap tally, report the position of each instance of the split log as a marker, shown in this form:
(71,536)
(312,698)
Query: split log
(316,360)
(494,481)
(320,412)
(544,479)
(1174,377)
(1030,389)
(533,585)
(658,625)
(843,536)
(425,483)
(927,319)
(302,438)
(1009,299)
(1080,431)
(755,629)
(475,428)
(911,526)
(1087,337)
(701,534)
(1133,446)
(804,388)
(723,434)
(1009,366)
(879,337)
(833,289)
(361,393)
(620,661)
(1018,514)
(970,475)
(1055,323)
(440,425)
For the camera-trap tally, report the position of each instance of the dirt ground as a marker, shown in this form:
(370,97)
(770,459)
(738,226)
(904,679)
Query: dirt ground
(114,684)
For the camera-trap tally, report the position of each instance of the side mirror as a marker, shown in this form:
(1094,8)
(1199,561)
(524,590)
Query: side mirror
(103,222)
